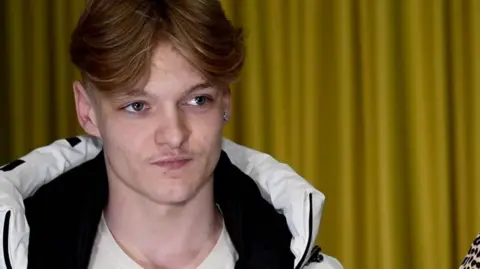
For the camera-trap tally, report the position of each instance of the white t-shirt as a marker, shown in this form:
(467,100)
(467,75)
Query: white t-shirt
(106,253)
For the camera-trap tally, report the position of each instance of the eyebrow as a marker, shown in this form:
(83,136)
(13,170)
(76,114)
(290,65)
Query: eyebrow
(134,92)
(141,92)
(197,87)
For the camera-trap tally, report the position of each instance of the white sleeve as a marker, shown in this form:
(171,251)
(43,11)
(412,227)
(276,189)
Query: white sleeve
(44,164)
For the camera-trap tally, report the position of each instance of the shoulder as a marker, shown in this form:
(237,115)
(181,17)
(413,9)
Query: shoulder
(67,191)
(473,256)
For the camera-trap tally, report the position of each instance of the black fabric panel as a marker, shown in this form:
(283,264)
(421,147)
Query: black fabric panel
(73,141)
(6,233)
(12,165)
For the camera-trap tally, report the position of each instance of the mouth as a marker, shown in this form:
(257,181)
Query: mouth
(173,163)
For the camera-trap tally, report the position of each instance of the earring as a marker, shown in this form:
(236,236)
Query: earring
(225,116)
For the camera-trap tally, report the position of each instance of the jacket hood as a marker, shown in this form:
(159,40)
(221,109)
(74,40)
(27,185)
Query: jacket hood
(281,186)
(64,217)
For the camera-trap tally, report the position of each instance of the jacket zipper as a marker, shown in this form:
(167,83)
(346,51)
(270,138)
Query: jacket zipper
(6,229)
(309,241)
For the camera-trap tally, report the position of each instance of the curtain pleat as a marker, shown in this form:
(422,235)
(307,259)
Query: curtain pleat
(62,95)
(276,68)
(15,39)
(458,83)
(40,67)
(364,139)
(4,94)
(295,83)
(474,53)
(346,85)
(375,102)
(423,135)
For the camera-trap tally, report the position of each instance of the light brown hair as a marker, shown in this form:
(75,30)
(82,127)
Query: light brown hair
(113,42)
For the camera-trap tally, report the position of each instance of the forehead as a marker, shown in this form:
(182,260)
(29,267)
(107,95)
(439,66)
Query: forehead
(169,66)
(170,73)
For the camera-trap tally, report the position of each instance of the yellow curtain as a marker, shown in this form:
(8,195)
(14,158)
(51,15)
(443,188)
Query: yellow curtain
(375,102)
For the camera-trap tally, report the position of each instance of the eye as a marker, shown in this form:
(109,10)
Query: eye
(199,100)
(135,107)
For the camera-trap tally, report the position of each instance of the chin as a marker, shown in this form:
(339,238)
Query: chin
(172,200)
(174,188)
(173,195)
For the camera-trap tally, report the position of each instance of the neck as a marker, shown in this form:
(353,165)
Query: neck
(157,234)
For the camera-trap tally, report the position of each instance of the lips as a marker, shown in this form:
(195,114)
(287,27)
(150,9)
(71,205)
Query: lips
(172,163)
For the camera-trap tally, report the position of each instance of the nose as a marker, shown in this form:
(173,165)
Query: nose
(172,129)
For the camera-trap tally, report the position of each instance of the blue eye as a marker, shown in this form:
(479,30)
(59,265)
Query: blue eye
(199,100)
(135,107)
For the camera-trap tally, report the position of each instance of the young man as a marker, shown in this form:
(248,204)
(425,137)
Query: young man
(159,192)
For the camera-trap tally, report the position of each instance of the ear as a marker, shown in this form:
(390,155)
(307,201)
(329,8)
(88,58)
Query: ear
(226,102)
(85,110)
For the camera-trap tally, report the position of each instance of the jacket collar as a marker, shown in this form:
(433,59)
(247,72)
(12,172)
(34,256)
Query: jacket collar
(64,215)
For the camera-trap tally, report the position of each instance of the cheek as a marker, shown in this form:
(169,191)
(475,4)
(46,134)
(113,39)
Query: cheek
(124,136)
(207,134)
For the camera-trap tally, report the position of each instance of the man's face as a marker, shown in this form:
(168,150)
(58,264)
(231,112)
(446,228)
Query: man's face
(163,142)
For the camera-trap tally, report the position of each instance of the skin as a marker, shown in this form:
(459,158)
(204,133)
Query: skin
(161,143)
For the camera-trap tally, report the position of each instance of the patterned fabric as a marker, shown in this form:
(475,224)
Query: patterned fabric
(472,260)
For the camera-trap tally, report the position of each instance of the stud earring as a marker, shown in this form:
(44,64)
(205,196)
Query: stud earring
(225,116)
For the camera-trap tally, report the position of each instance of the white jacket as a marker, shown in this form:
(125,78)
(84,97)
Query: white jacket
(280,185)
